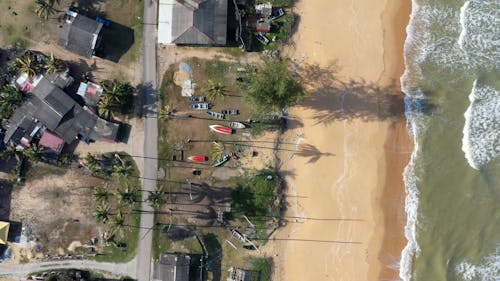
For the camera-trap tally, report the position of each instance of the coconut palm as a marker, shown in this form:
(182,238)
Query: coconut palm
(104,107)
(53,64)
(10,98)
(101,193)
(33,153)
(8,153)
(121,167)
(45,8)
(118,223)
(28,64)
(215,90)
(102,213)
(127,195)
(217,150)
(157,198)
(92,163)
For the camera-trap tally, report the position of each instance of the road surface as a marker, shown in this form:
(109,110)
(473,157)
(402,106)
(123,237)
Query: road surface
(150,140)
(21,270)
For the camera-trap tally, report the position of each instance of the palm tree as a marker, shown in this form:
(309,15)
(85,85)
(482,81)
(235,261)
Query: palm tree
(45,8)
(217,150)
(121,167)
(104,107)
(102,213)
(156,198)
(215,90)
(28,64)
(33,153)
(101,193)
(9,152)
(127,195)
(92,163)
(53,64)
(118,223)
(10,98)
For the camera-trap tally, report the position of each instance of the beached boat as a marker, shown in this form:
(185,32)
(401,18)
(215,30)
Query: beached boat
(197,158)
(216,115)
(220,161)
(237,125)
(221,129)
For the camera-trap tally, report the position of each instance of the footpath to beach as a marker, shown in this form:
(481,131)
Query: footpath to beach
(349,188)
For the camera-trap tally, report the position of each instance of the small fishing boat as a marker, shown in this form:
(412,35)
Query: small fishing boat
(221,129)
(220,161)
(216,115)
(197,158)
(237,125)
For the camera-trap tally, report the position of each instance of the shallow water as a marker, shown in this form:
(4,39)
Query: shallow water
(452,83)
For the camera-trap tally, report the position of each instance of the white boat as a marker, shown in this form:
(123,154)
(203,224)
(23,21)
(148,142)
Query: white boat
(220,161)
(237,125)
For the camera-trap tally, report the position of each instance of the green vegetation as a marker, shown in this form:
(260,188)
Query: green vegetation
(53,64)
(10,99)
(28,64)
(281,3)
(216,70)
(262,269)
(256,196)
(117,97)
(272,88)
(116,199)
(45,8)
(215,90)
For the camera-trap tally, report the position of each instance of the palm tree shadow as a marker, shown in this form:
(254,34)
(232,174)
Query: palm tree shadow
(311,152)
(334,99)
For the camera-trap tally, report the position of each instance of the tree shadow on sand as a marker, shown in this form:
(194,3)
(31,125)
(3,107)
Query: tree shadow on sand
(334,99)
(311,152)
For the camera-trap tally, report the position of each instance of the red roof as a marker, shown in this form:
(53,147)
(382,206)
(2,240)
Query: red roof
(52,142)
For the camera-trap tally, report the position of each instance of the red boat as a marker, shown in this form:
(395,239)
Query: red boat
(198,158)
(221,129)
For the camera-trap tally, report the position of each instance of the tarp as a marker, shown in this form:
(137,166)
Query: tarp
(4,232)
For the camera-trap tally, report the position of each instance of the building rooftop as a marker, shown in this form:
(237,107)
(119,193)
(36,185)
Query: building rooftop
(51,142)
(193,22)
(172,267)
(79,34)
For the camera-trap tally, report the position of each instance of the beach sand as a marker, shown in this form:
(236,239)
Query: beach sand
(346,205)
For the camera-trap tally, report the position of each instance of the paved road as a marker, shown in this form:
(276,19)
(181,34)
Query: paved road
(150,139)
(21,270)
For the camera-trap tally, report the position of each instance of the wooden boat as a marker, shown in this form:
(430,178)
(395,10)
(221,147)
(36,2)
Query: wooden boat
(216,115)
(197,158)
(220,161)
(237,125)
(221,129)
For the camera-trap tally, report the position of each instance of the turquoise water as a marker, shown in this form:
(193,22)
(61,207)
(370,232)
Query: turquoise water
(452,83)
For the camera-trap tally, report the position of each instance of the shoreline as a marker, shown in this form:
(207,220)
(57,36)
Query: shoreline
(356,183)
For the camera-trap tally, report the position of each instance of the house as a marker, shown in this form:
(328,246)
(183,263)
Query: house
(51,144)
(50,108)
(238,274)
(172,267)
(193,22)
(80,34)
(90,92)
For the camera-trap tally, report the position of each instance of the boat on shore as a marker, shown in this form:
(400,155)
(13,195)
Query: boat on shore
(221,129)
(237,125)
(216,115)
(198,158)
(220,161)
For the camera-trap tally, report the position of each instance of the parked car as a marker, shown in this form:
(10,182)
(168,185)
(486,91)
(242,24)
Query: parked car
(200,106)
(262,38)
(230,111)
(196,99)
(278,13)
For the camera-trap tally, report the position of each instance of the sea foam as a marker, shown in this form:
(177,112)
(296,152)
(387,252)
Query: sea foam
(487,270)
(481,133)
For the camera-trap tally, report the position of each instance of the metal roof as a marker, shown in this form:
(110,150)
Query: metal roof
(173,267)
(194,22)
(79,34)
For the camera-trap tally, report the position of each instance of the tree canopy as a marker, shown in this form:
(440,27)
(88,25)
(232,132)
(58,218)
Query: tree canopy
(273,87)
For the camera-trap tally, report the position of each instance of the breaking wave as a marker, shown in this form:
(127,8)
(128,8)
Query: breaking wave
(487,270)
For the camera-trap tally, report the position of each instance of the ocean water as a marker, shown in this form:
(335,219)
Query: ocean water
(452,87)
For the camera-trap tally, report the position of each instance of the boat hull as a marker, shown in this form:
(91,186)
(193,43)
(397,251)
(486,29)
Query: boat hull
(221,129)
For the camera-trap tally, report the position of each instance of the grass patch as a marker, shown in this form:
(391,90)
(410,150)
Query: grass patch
(234,51)
(125,242)
(262,269)
(216,70)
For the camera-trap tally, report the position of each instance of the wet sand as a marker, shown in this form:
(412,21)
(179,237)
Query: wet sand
(347,216)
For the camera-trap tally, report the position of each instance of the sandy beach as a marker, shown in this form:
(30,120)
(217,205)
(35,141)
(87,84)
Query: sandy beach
(346,209)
